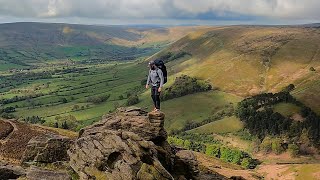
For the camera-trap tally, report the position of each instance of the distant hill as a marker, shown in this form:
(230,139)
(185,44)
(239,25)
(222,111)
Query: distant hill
(29,43)
(247,60)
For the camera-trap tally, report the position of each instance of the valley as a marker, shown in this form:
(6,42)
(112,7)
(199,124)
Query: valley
(69,76)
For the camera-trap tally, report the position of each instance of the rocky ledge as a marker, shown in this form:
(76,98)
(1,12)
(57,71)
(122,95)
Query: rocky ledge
(130,144)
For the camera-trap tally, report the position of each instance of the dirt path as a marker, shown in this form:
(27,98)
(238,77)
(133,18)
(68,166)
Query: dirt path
(15,128)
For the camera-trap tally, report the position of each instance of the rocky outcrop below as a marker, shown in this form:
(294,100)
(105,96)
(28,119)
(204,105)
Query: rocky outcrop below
(48,148)
(25,146)
(130,144)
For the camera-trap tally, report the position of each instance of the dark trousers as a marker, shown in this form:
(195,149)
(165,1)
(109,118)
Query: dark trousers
(155,96)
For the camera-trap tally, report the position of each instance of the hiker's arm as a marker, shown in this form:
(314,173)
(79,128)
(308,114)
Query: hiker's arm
(148,80)
(160,73)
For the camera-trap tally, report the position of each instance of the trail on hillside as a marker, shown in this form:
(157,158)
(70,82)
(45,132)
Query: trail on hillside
(13,125)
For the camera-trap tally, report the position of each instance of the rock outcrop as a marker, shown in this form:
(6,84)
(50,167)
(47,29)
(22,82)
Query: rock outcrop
(185,159)
(130,144)
(11,171)
(47,148)
(36,173)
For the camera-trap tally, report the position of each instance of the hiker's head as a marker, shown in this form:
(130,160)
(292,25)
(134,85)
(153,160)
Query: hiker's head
(152,65)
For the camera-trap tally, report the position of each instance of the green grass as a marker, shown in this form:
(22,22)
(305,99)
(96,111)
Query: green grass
(225,125)
(303,171)
(287,109)
(115,79)
(191,108)
(4,66)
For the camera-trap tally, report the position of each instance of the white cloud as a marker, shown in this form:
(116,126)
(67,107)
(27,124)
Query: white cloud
(160,9)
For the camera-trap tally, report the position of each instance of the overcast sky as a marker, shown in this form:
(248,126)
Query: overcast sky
(166,12)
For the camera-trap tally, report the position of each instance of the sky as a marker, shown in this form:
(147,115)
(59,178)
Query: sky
(162,12)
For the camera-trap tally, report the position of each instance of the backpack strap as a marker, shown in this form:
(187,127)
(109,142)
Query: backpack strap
(157,72)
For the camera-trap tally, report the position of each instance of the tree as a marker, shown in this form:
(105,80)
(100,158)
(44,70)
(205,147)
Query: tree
(116,105)
(276,146)
(132,100)
(65,125)
(246,162)
(121,97)
(75,107)
(56,125)
(213,150)
(293,149)
(63,100)
(266,145)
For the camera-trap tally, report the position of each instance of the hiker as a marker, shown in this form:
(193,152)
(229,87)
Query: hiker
(156,80)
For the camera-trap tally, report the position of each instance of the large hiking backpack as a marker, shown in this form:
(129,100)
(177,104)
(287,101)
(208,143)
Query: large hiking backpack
(160,64)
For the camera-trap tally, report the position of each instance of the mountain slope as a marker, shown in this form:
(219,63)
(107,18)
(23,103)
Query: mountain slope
(29,43)
(250,60)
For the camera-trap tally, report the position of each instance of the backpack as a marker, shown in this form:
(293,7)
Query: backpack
(160,64)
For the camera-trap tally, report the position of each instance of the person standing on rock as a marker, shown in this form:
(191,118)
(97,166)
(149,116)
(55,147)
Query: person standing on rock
(156,81)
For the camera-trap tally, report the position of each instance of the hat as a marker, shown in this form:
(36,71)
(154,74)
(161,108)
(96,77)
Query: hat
(151,63)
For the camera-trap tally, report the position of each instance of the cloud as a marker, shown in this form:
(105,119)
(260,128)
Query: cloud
(127,10)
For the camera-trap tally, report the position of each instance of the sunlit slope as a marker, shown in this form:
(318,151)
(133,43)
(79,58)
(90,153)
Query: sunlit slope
(249,60)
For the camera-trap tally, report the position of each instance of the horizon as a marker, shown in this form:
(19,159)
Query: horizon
(161,25)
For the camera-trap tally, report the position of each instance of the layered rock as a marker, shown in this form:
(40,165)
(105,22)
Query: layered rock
(129,144)
(36,173)
(47,148)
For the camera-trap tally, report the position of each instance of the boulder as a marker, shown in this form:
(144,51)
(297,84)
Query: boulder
(47,148)
(36,173)
(11,172)
(186,164)
(128,144)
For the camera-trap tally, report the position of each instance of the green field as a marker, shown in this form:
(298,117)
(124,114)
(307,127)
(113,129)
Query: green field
(4,66)
(63,91)
(191,108)
(58,95)
(287,109)
(225,125)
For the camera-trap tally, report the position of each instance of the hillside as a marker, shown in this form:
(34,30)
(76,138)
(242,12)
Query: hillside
(238,62)
(15,136)
(23,44)
(250,60)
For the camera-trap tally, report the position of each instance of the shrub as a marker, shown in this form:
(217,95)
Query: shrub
(276,146)
(213,150)
(67,122)
(98,99)
(246,162)
(132,100)
(34,120)
(266,145)
(312,69)
(293,150)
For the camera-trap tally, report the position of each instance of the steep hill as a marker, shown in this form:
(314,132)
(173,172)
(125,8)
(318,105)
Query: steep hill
(250,60)
(28,43)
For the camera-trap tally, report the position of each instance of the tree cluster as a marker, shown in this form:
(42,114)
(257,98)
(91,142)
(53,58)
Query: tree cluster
(260,119)
(98,99)
(206,144)
(185,85)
